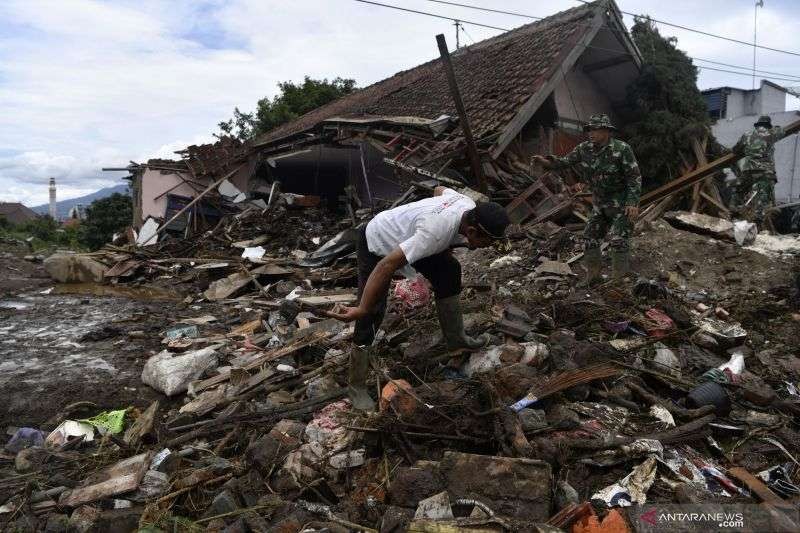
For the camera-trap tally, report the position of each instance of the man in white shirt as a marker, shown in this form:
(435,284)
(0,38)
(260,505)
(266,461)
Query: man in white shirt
(419,234)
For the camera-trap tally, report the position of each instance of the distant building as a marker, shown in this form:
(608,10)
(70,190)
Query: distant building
(77,212)
(16,213)
(735,110)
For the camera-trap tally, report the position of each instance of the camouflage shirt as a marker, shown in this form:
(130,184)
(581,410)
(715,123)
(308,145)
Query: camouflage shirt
(758,149)
(611,171)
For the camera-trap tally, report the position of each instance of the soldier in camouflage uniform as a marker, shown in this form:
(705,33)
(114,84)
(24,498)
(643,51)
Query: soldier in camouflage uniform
(610,168)
(757,149)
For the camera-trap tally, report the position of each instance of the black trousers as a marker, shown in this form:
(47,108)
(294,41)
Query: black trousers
(442,270)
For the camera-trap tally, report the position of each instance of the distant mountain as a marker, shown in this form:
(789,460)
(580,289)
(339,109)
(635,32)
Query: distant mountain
(63,207)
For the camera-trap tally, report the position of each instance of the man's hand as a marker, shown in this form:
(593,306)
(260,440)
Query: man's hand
(632,211)
(578,187)
(347,314)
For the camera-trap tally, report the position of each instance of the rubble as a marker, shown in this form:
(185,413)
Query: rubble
(586,403)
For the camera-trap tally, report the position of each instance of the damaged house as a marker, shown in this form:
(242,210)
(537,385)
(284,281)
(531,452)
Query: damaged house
(525,91)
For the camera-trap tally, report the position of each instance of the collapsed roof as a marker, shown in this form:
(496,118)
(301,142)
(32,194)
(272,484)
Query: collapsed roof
(503,80)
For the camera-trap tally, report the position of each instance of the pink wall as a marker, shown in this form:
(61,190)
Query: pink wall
(155,184)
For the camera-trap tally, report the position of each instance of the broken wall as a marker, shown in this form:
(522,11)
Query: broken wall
(155,185)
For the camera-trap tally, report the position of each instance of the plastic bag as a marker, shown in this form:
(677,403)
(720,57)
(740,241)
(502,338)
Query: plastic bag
(172,375)
(111,421)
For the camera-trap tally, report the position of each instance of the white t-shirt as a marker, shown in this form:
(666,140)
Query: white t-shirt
(420,229)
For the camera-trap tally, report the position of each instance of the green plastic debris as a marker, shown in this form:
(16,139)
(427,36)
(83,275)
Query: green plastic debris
(111,421)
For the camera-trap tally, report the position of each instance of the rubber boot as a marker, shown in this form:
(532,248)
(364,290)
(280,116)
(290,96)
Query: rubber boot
(593,263)
(451,321)
(620,263)
(357,379)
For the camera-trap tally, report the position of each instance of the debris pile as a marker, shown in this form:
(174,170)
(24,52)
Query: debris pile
(680,386)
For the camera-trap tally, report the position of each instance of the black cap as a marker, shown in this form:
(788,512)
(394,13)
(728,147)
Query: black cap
(491,218)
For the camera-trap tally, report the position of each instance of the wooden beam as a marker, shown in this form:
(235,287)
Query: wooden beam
(472,150)
(700,173)
(608,63)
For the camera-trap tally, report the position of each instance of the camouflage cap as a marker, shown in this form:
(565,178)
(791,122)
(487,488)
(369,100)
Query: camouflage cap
(764,120)
(599,122)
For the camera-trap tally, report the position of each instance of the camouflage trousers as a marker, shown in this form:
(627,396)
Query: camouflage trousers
(608,220)
(762,184)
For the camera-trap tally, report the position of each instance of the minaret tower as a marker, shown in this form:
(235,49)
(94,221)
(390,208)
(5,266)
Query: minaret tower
(53,198)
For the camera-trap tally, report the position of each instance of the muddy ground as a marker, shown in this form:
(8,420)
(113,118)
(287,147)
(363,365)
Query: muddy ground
(60,345)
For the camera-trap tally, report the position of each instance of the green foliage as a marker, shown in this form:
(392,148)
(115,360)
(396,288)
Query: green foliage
(668,109)
(292,101)
(45,231)
(105,217)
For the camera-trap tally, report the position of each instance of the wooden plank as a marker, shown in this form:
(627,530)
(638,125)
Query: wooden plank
(120,478)
(757,487)
(328,299)
(143,425)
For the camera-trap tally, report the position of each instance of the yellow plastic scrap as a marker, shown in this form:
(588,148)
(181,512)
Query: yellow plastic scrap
(111,421)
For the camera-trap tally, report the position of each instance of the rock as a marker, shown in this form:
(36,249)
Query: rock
(83,518)
(703,224)
(30,459)
(532,419)
(535,353)
(515,487)
(484,361)
(513,381)
(117,521)
(72,268)
(348,459)
(511,352)
(320,386)
(57,523)
(411,484)
(565,495)
(271,449)
(224,502)
(399,394)
(437,507)
(561,417)
(396,519)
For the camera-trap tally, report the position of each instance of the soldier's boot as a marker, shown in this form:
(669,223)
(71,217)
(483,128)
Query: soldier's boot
(451,320)
(357,379)
(620,263)
(593,264)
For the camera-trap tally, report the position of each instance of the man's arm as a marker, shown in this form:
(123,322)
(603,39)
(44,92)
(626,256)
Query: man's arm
(738,148)
(555,163)
(376,286)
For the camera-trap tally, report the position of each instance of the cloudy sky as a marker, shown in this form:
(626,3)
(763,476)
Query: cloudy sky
(87,83)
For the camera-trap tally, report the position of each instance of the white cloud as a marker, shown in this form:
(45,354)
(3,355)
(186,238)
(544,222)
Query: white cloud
(87,83)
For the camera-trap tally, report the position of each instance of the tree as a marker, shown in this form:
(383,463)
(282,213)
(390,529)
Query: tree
(668,109)
(292,101)
(105,217)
